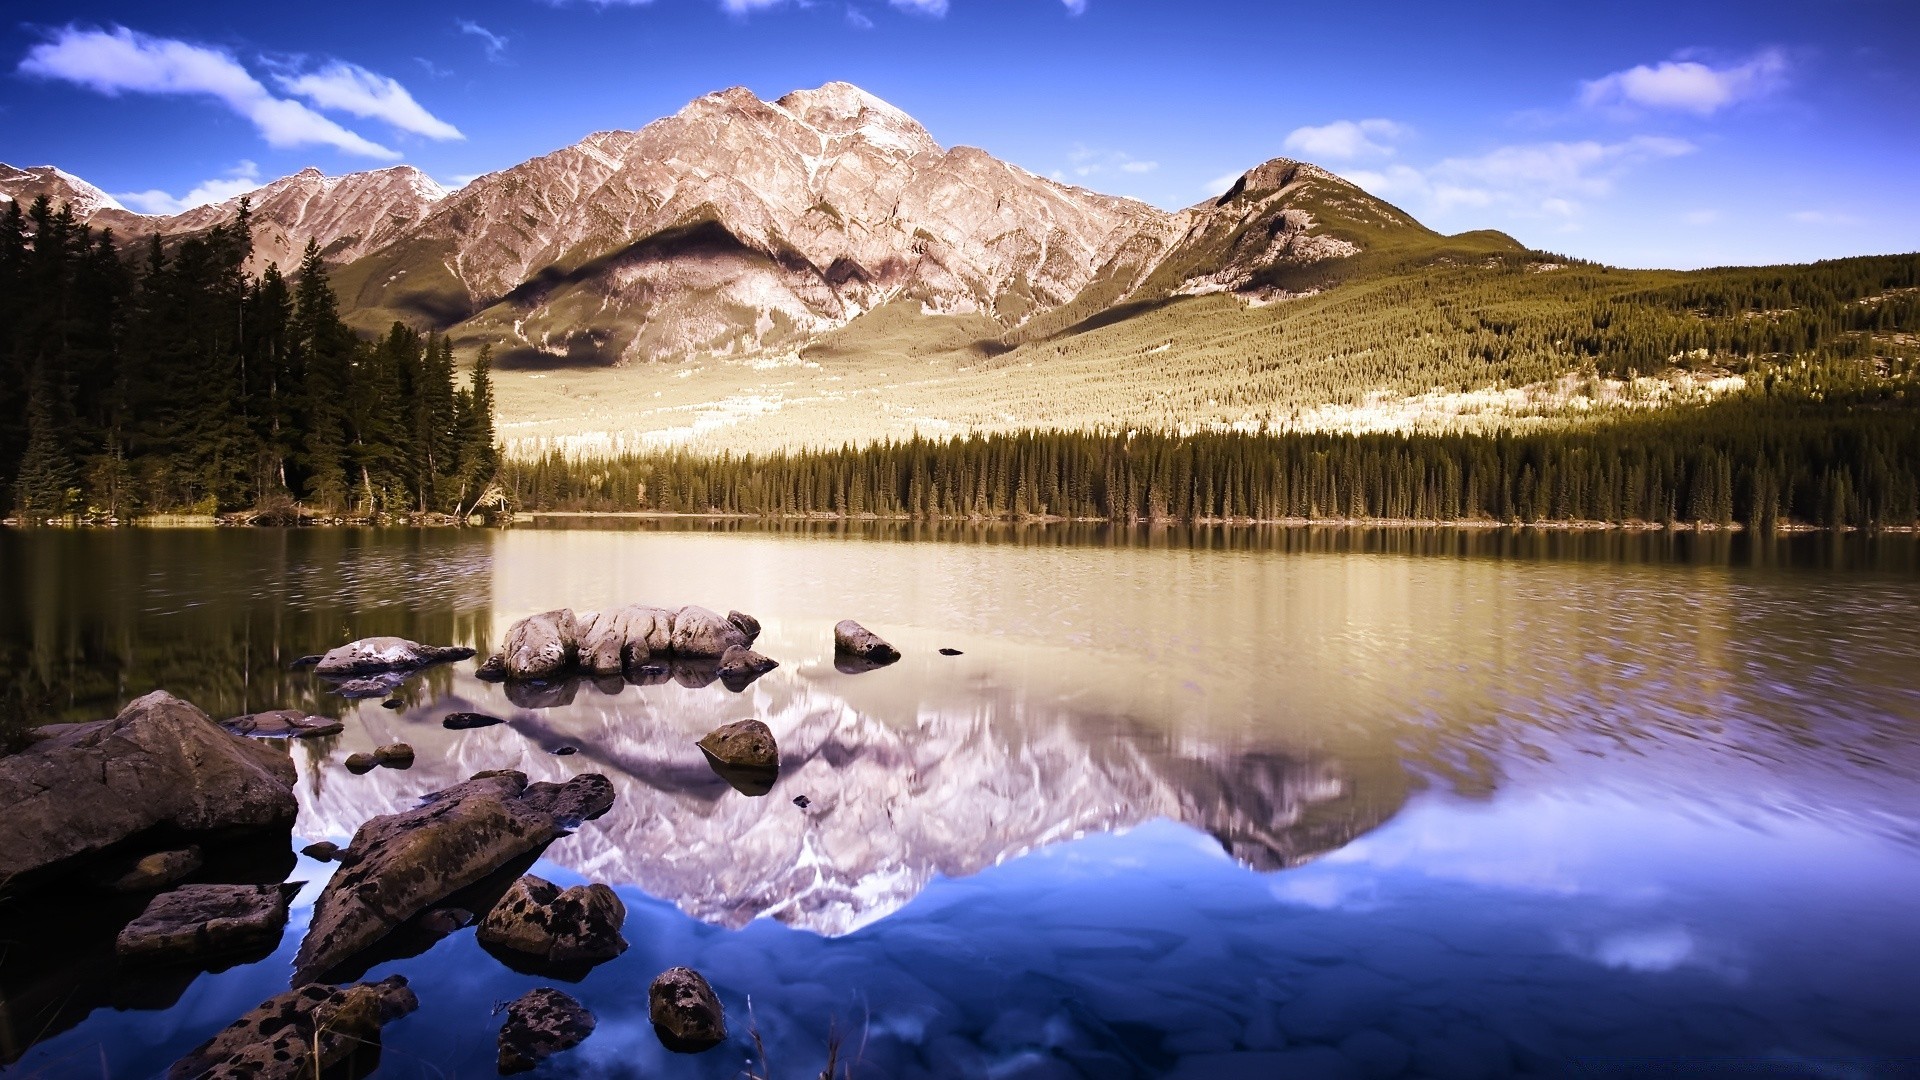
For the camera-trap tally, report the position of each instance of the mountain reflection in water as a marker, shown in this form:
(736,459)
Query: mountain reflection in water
(1204,803)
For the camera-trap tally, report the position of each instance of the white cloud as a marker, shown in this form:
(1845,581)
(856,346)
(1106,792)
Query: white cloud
(494,44)
(1139,166)
(243,178)
(350,88)
(1344,140)
(120,60)
(858,19)
(1687,85)
(1529,180)
(1823,217)
(1087,161)
(1075,7)
(933,9)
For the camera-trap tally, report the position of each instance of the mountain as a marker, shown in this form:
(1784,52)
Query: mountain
(739,226)
(348,215)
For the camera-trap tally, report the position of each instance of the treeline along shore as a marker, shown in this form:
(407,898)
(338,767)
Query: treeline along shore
(176,381)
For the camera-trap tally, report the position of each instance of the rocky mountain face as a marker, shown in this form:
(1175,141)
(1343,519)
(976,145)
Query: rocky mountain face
(348,215)
(739,225)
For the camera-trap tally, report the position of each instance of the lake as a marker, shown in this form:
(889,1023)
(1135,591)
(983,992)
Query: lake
(1201,803)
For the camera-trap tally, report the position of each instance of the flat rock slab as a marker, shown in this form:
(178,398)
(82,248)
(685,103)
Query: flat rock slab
(464,721)
(380,655)
(157,871)
(540,1024)
(283,724)
(195,921)
(302,1033)
(162,763)
(407,862)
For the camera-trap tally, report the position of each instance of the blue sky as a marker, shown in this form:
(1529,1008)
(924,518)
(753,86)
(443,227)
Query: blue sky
(1676,134)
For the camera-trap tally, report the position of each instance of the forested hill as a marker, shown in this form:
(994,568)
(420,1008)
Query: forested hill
(171,379)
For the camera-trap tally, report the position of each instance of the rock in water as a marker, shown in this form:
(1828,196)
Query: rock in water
(746,744)
(540,1024)
(158,870)
(194,921)
(540,921)
(747,624)
(362,763)
(739,666)
(380,655)
(699,634)
(463,721)
(394,755)
(283,724)
(324,851)
(686,1014)
(160,764)
(301,1034)
(541,646)
(950,652)
(393,703)
(304,662)
(405,863)
(850,639)
(370,687)
(617,640)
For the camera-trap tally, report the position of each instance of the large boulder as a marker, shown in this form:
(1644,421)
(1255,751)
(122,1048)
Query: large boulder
(161,765)
(541,1023)
(614,641)
(685,1011)
(398,865)
(303,1033)
(744,744)
(856,642)
(380,655)
(701,634)
(541,646)
(542,922)
(195,921)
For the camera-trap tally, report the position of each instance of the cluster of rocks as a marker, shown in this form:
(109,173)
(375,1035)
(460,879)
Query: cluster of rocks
(628,641)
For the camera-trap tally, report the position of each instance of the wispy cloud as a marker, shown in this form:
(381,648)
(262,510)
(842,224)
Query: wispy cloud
(241,179)
(1346,140)
(350,88)
(931,8)
(1824,217)
(1534,179)
(1085,161)
(1687,85)
(120,60)
(494,44)
(1075,7)
(858,19)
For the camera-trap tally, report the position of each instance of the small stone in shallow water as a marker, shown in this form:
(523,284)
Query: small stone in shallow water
(305,662)
(686,1014)
(563,751)
(462,721)
(324,851)
(540,1024)
(394,755)
(802,801)
(362,763)
(393,703)
(951,652)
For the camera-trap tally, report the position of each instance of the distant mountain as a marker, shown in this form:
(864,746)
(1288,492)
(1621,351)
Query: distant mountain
(740,226)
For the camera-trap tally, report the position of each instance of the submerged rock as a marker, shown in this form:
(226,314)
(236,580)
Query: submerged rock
(160,764)
(405,863)
(194,921)
(356,689)
(302,1033)
(745,744)
(739,666)
(686,1013)
(283,724)
(464,721)
(157,871)
(541,1023)
(548,925)
(381,655)
(304,662)
(856,642)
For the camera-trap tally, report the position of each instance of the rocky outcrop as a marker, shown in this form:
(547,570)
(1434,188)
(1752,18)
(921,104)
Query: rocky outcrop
(197,921)
(302,1033)
(161,766)
(541,1023)
(283,724)
(398,865)
(384,655)
(685,1011)
(571,929)
(854,642)
(626,640)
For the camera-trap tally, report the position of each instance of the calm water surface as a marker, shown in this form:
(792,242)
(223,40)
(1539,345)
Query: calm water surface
(1205,805)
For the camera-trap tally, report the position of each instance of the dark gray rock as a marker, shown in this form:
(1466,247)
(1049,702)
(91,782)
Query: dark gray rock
(324,851)
(393,703)
(739,666)
(747,625)
(539,920)
(540,1024)
(283,724)
(685,1011)
(856,642)
(83,788)
(369,687)
(442,921)
(195,921)
(157,871)
(405,863)
(745,744)
(951,652)
(381,655)
(394,755)
(302,1033)
(304,662)
(362,762)
(464,721)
